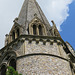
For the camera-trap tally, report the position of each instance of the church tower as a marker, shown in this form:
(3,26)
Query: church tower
(34,47)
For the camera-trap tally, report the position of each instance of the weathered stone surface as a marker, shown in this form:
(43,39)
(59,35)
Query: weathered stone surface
(28,11)
(36,47)
(43,65)
(27,47)
(41,48)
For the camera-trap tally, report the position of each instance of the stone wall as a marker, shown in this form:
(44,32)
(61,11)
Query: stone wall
(41,56)
(48,48)
(27,47)
(55,64)
(43,65)
(34,47)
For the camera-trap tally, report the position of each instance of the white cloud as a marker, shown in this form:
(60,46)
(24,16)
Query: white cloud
(56,10)
(9,10)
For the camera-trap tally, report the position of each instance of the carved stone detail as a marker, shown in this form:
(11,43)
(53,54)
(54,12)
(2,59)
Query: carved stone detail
(36,21)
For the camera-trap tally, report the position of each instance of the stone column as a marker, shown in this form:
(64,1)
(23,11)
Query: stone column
(10,38)
(59,47)
(15,34)
(37,30)
(31,30)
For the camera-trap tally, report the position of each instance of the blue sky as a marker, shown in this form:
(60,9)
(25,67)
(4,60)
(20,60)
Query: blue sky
(61,11)
(68,26)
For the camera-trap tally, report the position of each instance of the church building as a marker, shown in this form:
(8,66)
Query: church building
(34,47)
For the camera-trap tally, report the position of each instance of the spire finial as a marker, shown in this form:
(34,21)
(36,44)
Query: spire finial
(53,23)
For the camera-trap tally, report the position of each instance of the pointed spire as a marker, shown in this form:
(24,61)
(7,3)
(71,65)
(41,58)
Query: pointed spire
(29,10)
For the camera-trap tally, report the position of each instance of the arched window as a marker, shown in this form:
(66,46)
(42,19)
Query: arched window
(34,30)
(36,27)
(3,70)
(13,63)
(40,30)
(18,33)
(13,36)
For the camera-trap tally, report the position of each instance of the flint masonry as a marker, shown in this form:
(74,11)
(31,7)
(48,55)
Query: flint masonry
(34,47)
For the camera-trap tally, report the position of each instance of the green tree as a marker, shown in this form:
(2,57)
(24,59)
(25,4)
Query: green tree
(11,71)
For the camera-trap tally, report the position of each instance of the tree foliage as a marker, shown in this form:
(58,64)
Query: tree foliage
(11,71)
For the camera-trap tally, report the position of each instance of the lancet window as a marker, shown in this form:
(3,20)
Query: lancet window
(36,27)
(40,30)
(18,32)
(15,34)
(34,30)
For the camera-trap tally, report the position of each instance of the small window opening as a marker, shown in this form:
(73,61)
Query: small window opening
(13,63)
(3,70)
(34,29)
(18,33)
(40,30)
(28,30)
(13,36)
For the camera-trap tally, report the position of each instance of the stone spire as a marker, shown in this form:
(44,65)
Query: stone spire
(31,9)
